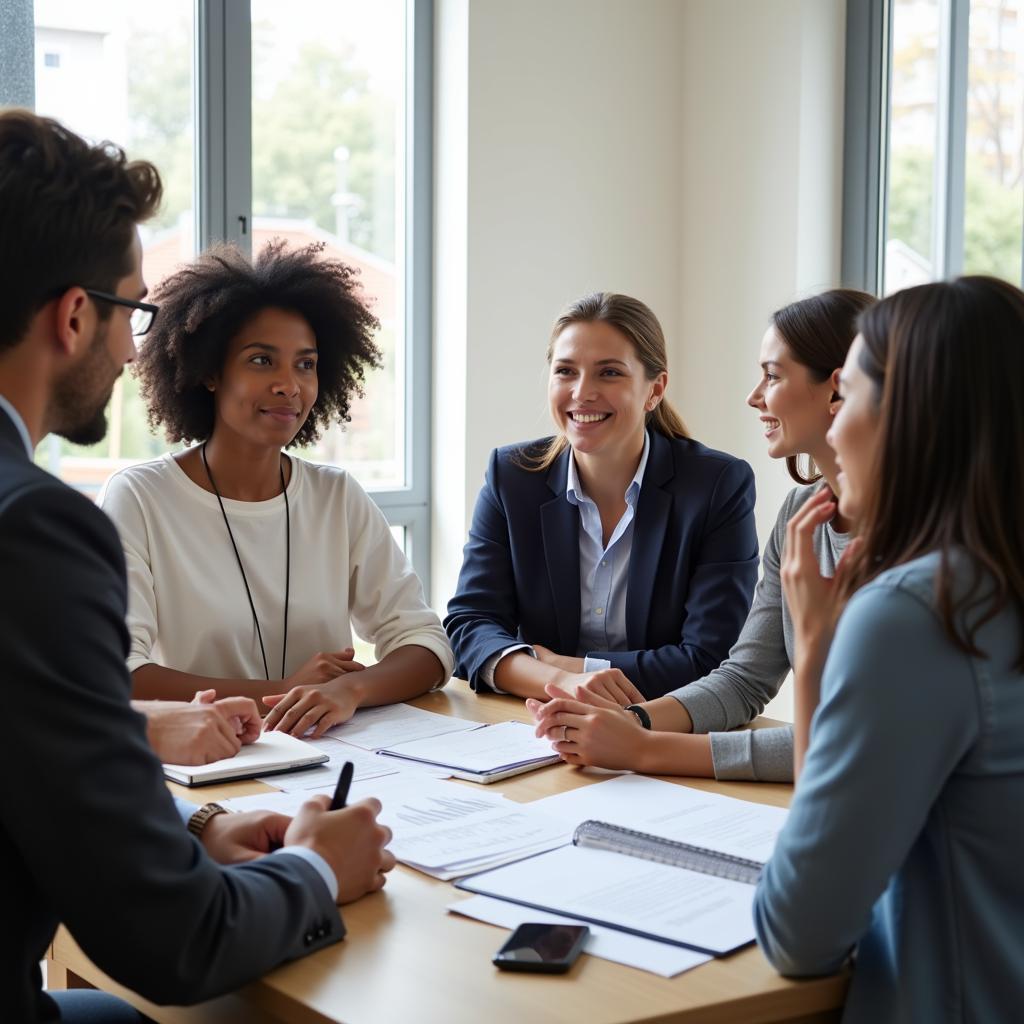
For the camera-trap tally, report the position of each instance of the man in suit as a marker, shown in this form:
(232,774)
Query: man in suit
(89,835)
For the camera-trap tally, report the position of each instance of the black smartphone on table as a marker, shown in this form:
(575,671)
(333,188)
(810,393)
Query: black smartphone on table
(546,948)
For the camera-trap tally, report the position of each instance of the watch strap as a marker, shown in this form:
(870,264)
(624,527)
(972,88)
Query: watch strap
(640,713)
(199,820)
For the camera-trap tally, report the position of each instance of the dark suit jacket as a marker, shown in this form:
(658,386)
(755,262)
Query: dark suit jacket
(692,569)
(89,834)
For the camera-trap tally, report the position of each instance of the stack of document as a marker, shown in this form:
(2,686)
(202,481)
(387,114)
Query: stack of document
(441,828)
(486,754)
(447,830)
(377,728)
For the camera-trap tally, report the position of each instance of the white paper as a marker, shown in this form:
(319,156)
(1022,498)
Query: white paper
(412,802)
(489,749)
(280,803)
(375,728)
(500,832)
(608,943)
(669,903)
(737,827)
(367,766)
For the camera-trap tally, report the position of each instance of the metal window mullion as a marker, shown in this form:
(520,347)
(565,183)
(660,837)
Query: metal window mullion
(419,200)
(223,117)
(866,142)
(951,140)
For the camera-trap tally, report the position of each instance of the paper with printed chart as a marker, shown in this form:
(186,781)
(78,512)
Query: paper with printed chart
(445,829)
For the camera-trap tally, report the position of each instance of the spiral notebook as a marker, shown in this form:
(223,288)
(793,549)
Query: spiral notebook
(599,835)
(639,883)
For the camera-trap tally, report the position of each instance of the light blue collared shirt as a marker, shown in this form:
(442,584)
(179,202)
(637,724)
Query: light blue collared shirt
(19,423)
(604,569)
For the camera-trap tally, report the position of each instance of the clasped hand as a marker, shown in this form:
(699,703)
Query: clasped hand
(318,697)
(202,731)
(589,729)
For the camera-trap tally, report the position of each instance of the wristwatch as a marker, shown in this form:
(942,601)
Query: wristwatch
(198,821)
(641,714)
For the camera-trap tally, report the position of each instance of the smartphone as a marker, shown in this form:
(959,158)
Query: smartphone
(546,948)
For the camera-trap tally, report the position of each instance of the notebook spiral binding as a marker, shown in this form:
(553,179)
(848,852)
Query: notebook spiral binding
(599,835)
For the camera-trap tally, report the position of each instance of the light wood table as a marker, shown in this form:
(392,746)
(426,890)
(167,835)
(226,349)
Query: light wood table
(406,959)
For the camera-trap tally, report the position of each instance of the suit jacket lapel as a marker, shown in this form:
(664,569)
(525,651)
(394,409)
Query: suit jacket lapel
(560,525)
(649,526)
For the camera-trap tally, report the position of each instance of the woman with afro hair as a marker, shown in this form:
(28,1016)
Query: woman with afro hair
(248,567)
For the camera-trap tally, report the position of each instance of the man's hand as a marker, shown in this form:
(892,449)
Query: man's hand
(312,707)
(350,840)
(236,838)
(241,712)
(199,733)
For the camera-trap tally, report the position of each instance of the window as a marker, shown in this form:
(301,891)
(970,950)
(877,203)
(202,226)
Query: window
(310,122)
(944,119)
(127,76)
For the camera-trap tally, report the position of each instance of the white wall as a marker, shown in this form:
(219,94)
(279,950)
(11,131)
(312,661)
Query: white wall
(557,174)
(685,151)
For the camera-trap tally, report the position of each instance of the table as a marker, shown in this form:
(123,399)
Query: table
(406,959)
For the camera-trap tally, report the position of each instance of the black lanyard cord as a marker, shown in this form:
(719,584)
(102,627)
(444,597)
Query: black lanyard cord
(241,568)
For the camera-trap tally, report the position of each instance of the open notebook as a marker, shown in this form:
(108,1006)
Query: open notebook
(271,754)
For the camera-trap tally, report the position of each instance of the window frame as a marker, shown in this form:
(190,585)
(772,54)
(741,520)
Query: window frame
(866,142)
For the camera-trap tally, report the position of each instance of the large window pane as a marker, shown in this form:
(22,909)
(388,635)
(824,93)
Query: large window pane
(119,70)
(329,166)
(994,194)
(910,209)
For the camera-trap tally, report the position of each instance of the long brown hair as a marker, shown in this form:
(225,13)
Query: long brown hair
(947,361)
(638,323)
(818,331)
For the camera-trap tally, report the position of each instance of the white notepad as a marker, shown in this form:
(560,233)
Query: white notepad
(271,754)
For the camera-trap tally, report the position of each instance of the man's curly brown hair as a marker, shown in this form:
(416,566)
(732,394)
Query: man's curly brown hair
(204,305)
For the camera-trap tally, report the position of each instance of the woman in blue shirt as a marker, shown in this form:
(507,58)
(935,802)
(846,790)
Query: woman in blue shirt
(620,544)
(905,840)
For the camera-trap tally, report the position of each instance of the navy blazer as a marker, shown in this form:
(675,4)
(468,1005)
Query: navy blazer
(89,834)
(691,576)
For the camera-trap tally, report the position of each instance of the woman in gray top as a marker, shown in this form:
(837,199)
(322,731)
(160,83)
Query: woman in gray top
(801,354)
(905,840)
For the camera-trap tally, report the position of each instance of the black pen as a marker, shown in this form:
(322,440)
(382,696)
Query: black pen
(341,789)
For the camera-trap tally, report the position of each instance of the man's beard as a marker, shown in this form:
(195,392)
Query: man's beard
(78,409)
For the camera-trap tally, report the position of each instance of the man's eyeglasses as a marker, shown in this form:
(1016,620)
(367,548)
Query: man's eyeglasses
(143,313)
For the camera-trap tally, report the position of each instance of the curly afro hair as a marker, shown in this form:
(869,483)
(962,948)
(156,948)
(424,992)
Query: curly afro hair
(204,305)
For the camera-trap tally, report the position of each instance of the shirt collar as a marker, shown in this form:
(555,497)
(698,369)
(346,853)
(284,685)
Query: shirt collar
(18,422)
(574,489)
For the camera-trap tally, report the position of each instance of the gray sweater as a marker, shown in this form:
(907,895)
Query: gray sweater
(737,691)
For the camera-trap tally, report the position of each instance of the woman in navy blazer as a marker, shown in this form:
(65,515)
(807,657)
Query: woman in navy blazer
(619,556)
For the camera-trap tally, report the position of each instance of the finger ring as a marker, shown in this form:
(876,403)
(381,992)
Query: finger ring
(565,731)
